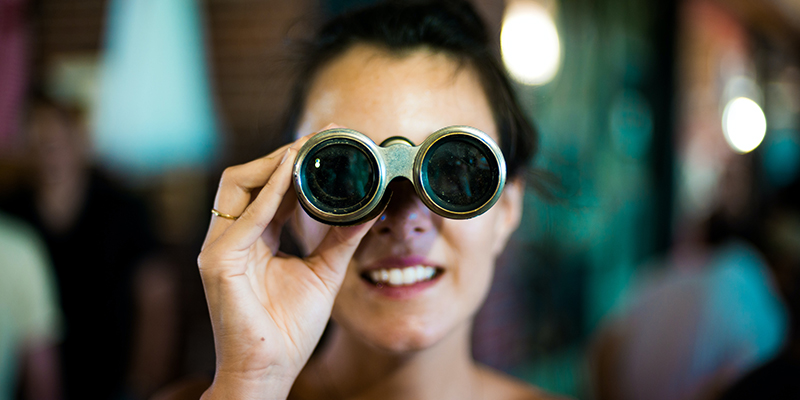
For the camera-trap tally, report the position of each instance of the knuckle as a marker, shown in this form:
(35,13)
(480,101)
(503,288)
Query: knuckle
(206,259)
(210,269)
(203,259)
(270,185)
(228,175)
(272,192)
(251,213)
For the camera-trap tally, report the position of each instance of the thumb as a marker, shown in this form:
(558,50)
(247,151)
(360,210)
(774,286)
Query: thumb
(330,259)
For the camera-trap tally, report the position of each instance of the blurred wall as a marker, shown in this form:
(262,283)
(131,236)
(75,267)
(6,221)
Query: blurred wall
(245,39)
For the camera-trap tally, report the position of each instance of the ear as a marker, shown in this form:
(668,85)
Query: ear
(510,209)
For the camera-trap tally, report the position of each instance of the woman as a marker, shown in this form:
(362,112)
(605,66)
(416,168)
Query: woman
(397,69)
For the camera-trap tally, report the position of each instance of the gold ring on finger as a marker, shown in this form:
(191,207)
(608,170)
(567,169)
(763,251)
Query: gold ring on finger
(223,215)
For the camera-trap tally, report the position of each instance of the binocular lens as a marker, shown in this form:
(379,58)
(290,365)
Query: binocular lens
(460,173)
(339,176)
(342,177)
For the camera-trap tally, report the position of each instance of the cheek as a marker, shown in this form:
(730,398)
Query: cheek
(471,245)
(476,237)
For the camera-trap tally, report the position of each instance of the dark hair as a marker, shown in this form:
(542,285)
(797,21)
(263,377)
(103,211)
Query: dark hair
(449,26)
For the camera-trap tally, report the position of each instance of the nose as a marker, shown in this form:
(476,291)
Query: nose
(406,217)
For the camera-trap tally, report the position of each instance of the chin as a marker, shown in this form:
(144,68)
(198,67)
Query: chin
(398,335)
(405,341)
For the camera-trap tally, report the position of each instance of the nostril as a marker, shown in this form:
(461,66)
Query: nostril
(419,229)
(384,230)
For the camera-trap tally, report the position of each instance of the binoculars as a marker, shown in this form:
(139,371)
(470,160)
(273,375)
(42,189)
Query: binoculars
(341,176)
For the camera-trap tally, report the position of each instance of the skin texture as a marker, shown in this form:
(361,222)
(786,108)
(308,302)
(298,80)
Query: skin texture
(382,95)
(268,310)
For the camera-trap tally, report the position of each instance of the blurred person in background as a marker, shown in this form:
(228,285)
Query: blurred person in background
(705,317)
(30,318)
(113,292)
(393,69)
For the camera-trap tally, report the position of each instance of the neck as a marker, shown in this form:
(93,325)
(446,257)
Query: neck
(351,369)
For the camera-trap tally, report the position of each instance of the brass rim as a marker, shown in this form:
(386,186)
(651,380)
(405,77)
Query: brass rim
(371,149)
(379,158)
(444,133)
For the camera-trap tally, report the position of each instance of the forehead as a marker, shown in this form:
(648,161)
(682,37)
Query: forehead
(382,94)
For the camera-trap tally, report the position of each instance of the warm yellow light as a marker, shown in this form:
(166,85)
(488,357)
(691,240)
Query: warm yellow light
(744,124)
(530,44)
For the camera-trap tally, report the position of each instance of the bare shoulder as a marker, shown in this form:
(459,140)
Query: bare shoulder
(498,385)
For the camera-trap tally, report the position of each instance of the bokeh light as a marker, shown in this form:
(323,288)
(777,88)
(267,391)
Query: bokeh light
(744,124)
(530,43)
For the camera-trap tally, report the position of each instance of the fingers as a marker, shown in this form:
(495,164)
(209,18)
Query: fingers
(241,183)
(257,193)
(236,186)
(255,219)
(330,259)
(272,234)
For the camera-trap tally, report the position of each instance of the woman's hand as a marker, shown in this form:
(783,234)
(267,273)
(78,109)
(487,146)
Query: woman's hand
(268,310)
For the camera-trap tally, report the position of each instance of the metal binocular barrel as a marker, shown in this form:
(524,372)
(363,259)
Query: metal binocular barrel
(341,176)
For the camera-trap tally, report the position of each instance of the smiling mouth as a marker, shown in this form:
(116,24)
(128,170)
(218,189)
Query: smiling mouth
(397,277)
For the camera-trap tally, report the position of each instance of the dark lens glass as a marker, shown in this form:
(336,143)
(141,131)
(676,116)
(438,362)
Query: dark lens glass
(460,173)
(339,177)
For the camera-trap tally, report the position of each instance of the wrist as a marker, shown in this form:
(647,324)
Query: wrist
(235,386)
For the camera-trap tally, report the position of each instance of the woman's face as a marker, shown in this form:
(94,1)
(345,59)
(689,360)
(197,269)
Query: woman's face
(411,95)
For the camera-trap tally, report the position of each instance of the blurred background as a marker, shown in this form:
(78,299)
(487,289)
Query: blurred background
(663,261)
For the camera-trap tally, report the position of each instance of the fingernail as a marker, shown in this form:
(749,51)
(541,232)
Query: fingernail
(285,156)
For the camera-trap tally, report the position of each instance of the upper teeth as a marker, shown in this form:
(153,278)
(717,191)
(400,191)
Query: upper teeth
(402,276)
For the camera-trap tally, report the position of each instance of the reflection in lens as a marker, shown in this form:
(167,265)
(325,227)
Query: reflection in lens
(338,178)
(461,174)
